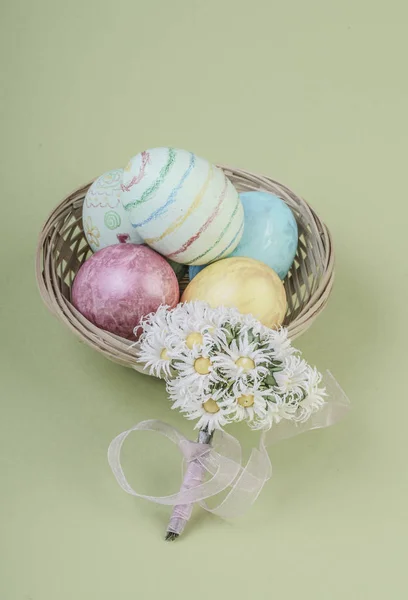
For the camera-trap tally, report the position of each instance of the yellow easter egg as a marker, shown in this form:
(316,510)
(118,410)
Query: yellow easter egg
(244,283)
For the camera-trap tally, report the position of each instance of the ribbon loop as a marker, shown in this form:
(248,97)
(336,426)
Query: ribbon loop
(223,460)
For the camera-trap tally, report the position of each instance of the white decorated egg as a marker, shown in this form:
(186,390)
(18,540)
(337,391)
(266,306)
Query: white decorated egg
(182,206)
(104,219)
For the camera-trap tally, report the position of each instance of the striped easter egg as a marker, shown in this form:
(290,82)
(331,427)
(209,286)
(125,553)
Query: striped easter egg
(182,206)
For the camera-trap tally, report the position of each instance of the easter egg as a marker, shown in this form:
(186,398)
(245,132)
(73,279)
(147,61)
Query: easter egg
(119,285)
(270,233)
(182,206)
(244,283)
(104,219)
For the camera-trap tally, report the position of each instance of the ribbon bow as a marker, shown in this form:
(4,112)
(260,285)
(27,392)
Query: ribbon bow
(223,462)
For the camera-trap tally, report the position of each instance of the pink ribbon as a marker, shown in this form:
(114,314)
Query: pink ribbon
(222,461)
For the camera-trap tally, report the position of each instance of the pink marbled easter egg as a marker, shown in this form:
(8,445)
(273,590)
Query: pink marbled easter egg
(121,284)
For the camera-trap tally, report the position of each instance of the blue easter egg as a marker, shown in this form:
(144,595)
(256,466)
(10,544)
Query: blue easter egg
(270,233)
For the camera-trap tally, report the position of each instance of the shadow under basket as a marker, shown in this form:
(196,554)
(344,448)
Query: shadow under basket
(63,248)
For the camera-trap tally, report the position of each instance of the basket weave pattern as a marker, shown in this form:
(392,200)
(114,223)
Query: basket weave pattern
(63,249)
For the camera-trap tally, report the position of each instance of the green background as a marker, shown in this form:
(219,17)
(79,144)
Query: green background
(313,93)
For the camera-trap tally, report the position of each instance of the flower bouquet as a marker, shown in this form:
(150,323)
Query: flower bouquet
(221,366)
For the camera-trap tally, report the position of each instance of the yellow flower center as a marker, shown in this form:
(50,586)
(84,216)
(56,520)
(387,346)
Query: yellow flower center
(246,401)
(245,363)
(164,355)
(193,339)
(211,406)
(202,365)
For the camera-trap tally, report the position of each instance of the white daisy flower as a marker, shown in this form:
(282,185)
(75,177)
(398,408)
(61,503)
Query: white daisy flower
(190,326)
(287,406)
(156,321)
(251,403)
(278,407)
(181,396)
(272,414)
(241,361)
(211,414)
(293,376)
(279,344)
(217,322)
(195,311)
(249,323)
(189,336)
(195,369)
(155,353)
(314,396)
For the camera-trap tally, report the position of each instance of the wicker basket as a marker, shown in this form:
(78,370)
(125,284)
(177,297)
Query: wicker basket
(63,248)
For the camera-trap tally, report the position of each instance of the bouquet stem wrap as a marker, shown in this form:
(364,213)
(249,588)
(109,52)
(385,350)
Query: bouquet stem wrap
(193,477)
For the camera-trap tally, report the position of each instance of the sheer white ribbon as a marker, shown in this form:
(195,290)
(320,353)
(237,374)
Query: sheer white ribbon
(222,461)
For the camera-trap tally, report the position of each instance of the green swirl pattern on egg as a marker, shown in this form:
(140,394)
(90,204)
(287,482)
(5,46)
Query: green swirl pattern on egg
(112,220)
